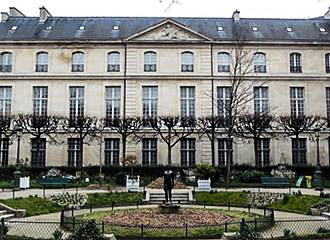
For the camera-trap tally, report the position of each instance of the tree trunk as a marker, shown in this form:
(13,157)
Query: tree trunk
(229,162)
(255,152)
(124,147)
(37,151)
(213,147)
(169,155)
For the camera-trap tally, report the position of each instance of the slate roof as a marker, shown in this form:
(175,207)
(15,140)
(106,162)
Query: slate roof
(101,28)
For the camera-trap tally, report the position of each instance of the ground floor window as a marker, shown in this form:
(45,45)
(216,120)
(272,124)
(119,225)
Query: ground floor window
(263,152)
(4,148)
(38,152)
(188,152)
(299,151)
(74,153)
(149,151)
(225,151)
(111,151)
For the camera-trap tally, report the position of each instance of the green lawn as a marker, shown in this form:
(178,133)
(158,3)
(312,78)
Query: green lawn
(33,205)
(106,199)
(222,198)
(296,203)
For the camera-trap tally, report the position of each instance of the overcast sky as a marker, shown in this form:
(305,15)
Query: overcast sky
(185,8)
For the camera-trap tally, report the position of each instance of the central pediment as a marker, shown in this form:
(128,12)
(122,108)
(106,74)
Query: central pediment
(168,30)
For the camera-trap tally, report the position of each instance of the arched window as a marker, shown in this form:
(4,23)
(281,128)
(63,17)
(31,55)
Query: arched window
(295,63)
(187,62)
(150,61)
(78,61)
(113,62)
(327,63)
(259,62)
(5,62)
(223,62)
(42,62)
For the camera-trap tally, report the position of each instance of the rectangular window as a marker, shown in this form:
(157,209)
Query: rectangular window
(327,94)
(74,153)
(5,100)
(38,152)
(76,103)
(225,151)
(223,100)
(299,151)
(188,150)
(263,150)
(111,151)
(261,102)
(40,100)
(187,101)
(4,151)
(112,102)
(297,101)
(149,151)
(150,102)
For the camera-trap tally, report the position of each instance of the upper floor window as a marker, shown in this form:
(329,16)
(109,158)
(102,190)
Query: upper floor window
(297,101)
(113,62)
(223,62)
(111,151)
(187,62)
(327,63)
(5,62)
(261,103)
(5,100)
(40,100)
(78,59)
(42,62)
(150,61)
(259,62)
(295,63)
(187,101)
(112,102)
(77,95)
(224,100)
(188,150)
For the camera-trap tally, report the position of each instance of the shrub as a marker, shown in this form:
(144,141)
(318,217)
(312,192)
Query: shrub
(323,230)
(248,176)
(68,200)
(247,233)
(322,203)
(204,171)
(288,233)
(57,235)
(3,230)
(285,199)
(86,231)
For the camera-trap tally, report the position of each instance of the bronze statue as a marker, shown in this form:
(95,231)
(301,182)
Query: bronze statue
(168,184)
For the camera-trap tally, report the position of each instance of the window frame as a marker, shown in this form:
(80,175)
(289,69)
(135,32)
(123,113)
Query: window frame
(187,65)
(263,153)
(260,65)
(225,151)
(41,161)
(4,152)
(149,151)
(76,103)
(41,63)
(113,62)
(187,101)
(6,100)
(74,151)
(327,62)
(295,62)
(299,154)
(40,100)
(150,61)
(149,103)
(188,152)
(111,151)
(260,100)
(297,103)
(221,59)
(8,65)
(223,100)
(112,102)
(78,61)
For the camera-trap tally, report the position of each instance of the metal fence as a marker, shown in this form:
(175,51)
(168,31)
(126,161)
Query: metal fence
(283,229)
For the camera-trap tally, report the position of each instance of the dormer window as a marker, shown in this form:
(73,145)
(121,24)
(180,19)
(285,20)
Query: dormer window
(323,30)
(220,29)
(13,28)
(289,29)
(255,29)
(82,28)
(115,27)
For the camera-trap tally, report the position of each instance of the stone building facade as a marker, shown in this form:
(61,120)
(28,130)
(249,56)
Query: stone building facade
(137,66)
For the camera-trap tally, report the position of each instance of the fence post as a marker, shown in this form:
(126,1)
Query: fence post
(137,205)
(141,230)
(72,212)
(76,190)
(273,216)
(13,193)
(62,218)
(102,227)
(264,211)
(204,203)
(226,226)
(112,204)
(228,206)
(90,208)
(74,223)
(249,208)
(186,230)
(242,224)
(255,224)
(44,192)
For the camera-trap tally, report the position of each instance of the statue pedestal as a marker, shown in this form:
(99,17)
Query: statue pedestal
(168,208)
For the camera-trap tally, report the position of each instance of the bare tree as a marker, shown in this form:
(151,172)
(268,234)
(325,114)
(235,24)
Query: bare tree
(255,126)
(6,131)
(86,128)
(172,129)
(39,126)
(292,125)
(126,127)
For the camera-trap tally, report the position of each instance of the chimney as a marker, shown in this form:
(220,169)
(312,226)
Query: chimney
(327,14)
(4,16)
(14,12)
(236,16)
(44,14)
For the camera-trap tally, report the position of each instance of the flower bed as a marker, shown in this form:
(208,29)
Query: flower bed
(264,198)
(68,200)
